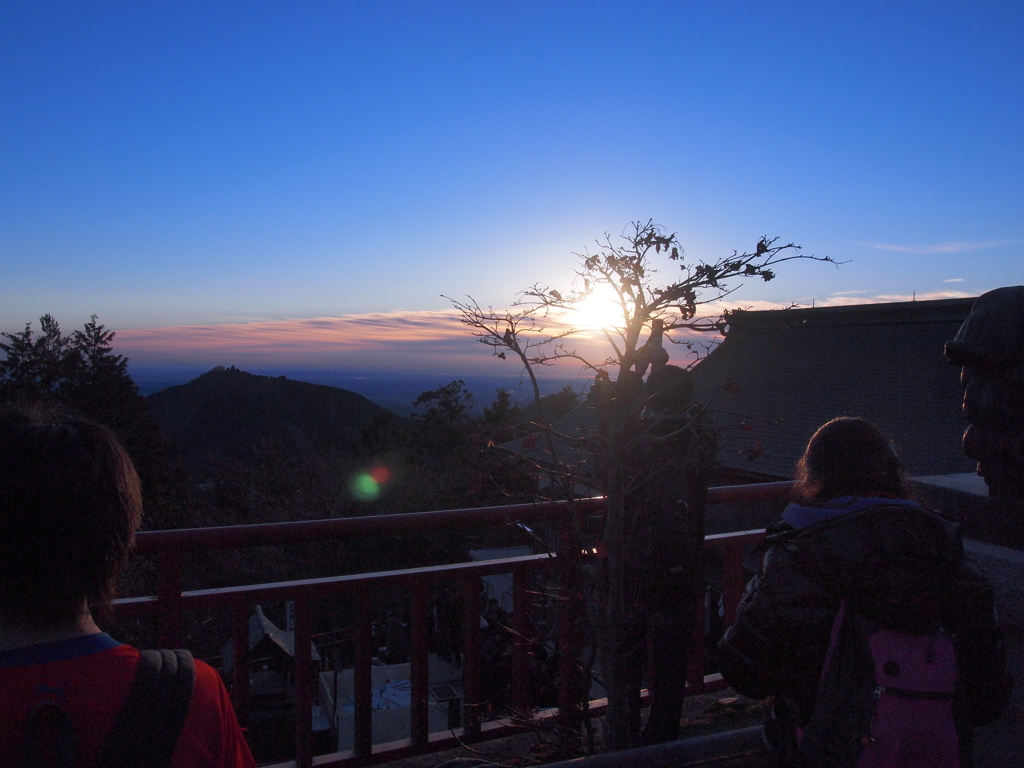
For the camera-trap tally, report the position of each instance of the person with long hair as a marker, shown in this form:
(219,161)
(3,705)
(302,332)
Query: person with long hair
(851,538)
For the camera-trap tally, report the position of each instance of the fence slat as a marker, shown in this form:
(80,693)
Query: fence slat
(303,684)
(732,580)
(570,641)
(471,656)
(419,663)
(695,664)
(361,687)
(521,632)
(240,647)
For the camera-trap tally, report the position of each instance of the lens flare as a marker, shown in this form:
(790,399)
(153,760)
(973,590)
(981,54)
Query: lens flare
(367,486)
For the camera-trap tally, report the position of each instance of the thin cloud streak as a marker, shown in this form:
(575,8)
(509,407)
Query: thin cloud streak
(956,247)
(886,298)
(371,331)
(424,340)
(398,341)
(843,299)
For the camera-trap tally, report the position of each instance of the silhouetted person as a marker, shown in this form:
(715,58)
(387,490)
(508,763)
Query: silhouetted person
(850,537)
(70,504)
(669,460)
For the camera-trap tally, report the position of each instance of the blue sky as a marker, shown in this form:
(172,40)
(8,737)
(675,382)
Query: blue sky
(245,167)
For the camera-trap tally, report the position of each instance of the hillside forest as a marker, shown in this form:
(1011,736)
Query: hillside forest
(233,448)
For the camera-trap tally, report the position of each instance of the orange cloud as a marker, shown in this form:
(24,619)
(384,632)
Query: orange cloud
(347,332)
(416,341)
(420,340)
(328,340)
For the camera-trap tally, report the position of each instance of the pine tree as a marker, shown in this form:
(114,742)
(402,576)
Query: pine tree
(81,372)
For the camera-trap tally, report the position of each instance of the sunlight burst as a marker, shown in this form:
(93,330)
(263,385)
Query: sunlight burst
(600,310)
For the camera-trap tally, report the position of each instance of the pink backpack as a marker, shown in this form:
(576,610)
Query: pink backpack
(898,709)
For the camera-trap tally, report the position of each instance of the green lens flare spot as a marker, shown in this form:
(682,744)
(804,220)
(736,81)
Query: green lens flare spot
(365,488)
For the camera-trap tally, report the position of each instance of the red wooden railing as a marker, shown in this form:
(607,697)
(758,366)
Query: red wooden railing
(167,547)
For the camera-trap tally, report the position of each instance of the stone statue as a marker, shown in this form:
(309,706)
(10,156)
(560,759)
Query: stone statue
(990,347)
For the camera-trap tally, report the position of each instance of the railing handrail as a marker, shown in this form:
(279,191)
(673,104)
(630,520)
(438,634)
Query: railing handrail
(283,590)
(271,534)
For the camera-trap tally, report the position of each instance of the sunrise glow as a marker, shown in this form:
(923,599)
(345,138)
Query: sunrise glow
(599,311)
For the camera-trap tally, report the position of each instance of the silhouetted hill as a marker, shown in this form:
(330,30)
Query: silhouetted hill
(230,414)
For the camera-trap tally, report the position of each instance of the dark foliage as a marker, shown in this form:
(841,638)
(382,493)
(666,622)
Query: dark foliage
(80,372)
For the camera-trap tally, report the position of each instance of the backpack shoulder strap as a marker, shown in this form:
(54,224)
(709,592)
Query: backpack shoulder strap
(843,705)
(148,727)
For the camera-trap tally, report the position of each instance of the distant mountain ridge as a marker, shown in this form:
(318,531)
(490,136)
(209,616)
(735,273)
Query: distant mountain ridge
(227,413)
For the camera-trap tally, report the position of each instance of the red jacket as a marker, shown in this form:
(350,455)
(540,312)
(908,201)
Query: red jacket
(90,677)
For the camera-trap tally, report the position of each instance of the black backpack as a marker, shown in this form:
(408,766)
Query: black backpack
(146,732)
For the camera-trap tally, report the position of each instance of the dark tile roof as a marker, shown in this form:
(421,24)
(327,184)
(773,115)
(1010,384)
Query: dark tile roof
(781,374)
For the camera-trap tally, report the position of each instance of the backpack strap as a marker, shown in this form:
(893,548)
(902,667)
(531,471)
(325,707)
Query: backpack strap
(147,730)
(63,751)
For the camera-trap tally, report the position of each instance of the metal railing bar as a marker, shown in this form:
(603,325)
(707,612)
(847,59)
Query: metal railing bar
(128,603)
(282,590)
(731,494)
(747,537)
(275,534)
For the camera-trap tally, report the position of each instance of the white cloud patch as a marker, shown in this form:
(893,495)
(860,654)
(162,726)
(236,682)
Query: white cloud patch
(840,300)
(954,280)
(847,293)
(953,247)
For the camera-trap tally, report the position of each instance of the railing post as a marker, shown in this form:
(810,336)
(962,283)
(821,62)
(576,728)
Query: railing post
(570,645)
(732,580)
(419,664)
(695,665)
(168,599)
(303,687)
(361,687)
(240,646)
(521,630)
(471,656)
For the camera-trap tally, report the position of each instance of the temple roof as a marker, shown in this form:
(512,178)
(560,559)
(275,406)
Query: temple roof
(780,374)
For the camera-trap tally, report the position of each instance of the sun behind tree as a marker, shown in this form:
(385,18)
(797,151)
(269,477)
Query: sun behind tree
(618,288)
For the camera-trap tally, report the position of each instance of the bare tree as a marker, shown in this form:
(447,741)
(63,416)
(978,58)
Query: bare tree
(518,331)
(649,308)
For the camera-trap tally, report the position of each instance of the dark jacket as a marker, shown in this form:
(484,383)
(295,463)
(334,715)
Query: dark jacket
(894,562)
(667,465)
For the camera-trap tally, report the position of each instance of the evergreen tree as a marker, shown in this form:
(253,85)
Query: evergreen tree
(36,368)
(81,372)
